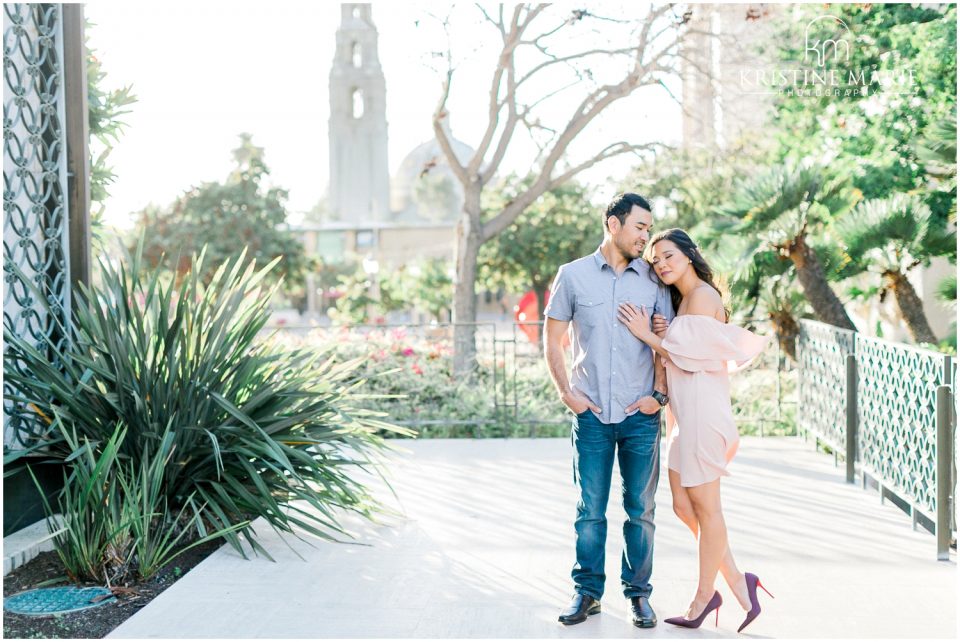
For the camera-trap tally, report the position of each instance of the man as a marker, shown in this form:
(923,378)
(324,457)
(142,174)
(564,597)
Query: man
(616,390)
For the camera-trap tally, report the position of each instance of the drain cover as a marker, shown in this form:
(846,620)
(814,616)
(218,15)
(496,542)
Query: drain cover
(61,599)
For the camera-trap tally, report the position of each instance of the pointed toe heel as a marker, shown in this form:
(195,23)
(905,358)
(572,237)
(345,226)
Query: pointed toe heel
(752,583)
(714,603)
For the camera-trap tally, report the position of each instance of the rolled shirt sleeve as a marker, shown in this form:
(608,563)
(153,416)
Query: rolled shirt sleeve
(560,306)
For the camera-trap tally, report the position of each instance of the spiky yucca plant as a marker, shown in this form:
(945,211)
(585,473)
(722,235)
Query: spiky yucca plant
(257,431)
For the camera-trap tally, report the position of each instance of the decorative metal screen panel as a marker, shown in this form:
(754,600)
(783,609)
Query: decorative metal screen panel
(34,181)
(822,354)
(897,417)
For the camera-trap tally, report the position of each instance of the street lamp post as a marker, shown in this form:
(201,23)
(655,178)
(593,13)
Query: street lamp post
(372,267)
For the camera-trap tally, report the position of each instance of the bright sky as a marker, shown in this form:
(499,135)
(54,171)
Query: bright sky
(205,71)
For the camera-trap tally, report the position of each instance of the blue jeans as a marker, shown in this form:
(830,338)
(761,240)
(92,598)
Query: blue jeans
(636,441)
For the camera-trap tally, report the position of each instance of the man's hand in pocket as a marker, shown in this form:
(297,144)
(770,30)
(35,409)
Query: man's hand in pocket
(647,405)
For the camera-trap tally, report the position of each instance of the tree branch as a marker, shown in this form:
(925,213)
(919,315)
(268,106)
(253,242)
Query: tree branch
(509,127)
(554,60)
(496,23)
(515,207)
(648,22)
(505,63)
(529,108)
(532,14)
(614,149)
(438,115)
(646,69)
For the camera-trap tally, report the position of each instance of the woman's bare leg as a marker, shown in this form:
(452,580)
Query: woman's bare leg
(735,579)
(705,499)
(682,505)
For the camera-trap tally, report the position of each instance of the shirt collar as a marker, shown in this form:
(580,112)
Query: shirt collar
(638,264)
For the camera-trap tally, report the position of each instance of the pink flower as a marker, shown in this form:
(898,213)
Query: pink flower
(407,352)
(417,369)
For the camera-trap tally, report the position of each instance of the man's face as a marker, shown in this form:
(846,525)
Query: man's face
(631,237)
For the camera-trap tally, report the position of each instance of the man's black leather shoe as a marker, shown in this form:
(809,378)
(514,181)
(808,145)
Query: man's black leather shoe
(643,615)
(580,607)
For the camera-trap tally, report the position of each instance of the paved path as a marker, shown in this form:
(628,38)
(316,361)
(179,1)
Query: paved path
(485,547)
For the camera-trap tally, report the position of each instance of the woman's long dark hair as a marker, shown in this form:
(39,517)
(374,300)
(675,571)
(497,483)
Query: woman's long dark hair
(686,245)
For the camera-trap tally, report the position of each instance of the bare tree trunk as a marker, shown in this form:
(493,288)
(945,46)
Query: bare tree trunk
(911,307)
(822,298)
(464,286)
(541,291)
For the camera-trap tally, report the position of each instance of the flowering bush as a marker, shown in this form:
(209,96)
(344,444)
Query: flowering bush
(408,374)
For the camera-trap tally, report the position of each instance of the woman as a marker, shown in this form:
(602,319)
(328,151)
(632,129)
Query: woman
(696,350)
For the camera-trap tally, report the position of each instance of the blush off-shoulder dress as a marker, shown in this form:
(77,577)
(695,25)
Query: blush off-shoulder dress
(702,434)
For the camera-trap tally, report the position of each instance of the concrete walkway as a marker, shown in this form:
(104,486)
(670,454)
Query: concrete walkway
(485,546)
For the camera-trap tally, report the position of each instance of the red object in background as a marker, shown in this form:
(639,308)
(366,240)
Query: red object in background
(526,311)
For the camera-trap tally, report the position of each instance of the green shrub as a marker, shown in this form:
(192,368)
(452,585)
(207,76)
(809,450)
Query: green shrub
(115,522)
(156,535)
(90,512)
(256,431)
(409,376)
(753,394)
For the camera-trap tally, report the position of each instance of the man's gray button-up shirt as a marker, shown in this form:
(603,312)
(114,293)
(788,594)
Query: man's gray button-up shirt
(610,366)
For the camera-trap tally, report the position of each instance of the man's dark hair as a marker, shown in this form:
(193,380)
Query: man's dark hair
(621,205)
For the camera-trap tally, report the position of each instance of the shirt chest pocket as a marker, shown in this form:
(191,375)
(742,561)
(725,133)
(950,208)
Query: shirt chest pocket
(648,301)
(590,312)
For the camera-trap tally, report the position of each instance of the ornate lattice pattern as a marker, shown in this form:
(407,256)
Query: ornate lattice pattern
(822,354)
(34,182)
(897,414)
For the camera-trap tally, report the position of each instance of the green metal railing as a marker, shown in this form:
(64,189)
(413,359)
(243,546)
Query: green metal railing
(887,409)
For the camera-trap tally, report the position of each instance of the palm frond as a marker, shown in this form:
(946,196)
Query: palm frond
(899,221)
(947,289)
(938,147)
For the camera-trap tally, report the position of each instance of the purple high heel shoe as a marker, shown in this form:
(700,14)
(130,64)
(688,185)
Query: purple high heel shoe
(714,603)
(752,583)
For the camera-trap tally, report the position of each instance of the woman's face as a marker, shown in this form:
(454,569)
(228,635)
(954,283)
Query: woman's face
(669,262)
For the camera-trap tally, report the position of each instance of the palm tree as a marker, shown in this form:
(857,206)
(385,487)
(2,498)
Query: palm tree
(778,214)
(890,237)
(761,284)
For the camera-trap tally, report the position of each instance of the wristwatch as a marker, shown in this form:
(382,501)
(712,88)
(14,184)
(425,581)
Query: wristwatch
(661,398)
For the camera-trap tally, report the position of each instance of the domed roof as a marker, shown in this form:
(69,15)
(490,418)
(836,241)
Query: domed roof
(419,156)
(426,161)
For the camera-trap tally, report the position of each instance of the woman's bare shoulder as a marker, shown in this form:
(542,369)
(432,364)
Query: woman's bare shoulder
(704,300)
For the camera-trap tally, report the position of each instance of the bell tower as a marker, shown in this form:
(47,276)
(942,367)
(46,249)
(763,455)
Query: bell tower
(359,174)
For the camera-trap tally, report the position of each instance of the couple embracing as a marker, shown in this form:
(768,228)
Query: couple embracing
(646,332)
